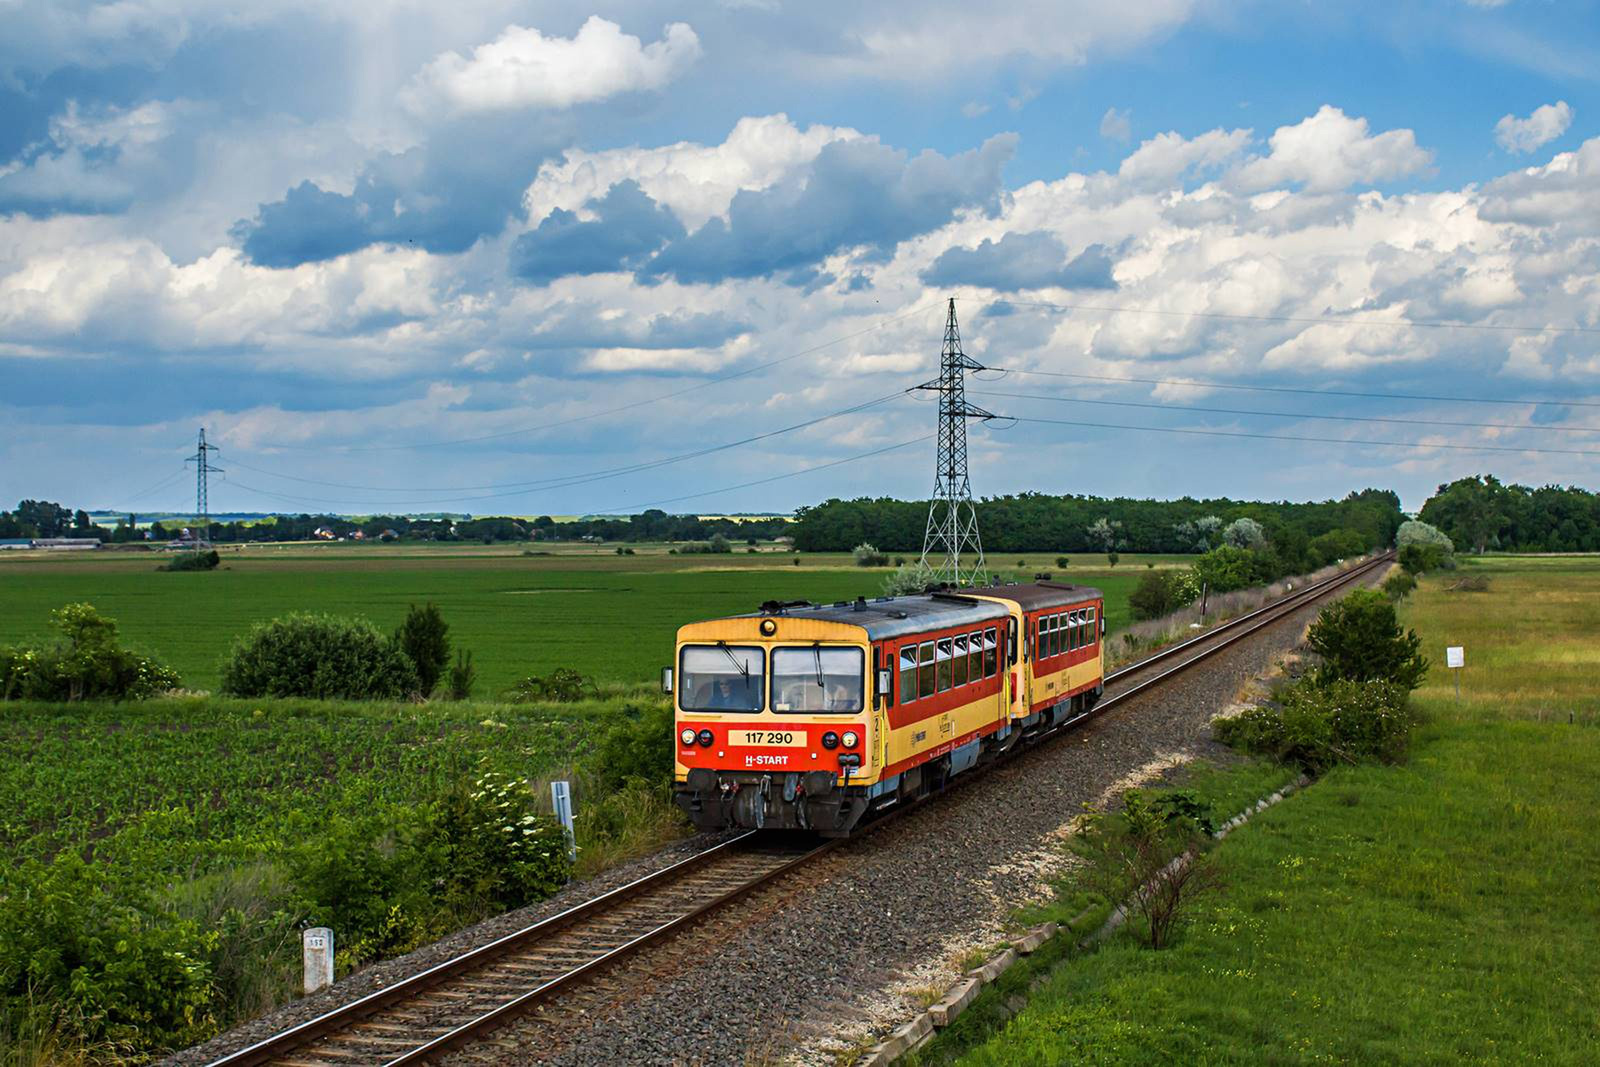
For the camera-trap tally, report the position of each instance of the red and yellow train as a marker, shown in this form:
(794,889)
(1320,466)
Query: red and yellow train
(809,716)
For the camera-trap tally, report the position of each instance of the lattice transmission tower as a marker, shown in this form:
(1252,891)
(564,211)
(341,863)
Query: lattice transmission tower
(952,520)
(202,508)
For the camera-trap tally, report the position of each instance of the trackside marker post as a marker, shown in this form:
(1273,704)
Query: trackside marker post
(317,943)
(561,801)
(1455,657)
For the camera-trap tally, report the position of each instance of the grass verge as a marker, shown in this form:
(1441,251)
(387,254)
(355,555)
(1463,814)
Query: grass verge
(1434,912)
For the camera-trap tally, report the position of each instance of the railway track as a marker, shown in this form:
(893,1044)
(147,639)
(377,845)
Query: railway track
(459,1001)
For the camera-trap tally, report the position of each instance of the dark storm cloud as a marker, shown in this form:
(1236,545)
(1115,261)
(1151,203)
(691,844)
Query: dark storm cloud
(629,227)
(857,194)
(463,184)
(1023,261)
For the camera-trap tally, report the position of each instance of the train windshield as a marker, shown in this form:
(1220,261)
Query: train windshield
(721,678)
(816,679)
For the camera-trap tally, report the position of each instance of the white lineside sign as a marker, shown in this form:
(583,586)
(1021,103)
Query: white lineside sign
(1455,657)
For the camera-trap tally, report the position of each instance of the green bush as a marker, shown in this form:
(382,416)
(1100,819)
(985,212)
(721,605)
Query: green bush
(1360,640)
(424,637)
(1419,559)
(463,676)
(113,972)
(1159,592)
(868,556)
(1315,726)
(562,686)
(87,663)
(193,561)
(1399,585)
(397,878)
(638,746)
(323,656)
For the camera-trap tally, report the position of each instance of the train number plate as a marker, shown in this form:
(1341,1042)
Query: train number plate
(769,738)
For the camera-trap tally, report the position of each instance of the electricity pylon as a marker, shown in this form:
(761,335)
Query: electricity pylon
(202,508)
(952,520)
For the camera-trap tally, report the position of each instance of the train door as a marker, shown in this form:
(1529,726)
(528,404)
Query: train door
(1020,655)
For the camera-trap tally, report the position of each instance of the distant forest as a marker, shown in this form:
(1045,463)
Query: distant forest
(1478,513)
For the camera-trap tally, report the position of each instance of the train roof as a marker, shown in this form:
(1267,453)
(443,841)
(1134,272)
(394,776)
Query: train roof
(1035,596)
(885,617)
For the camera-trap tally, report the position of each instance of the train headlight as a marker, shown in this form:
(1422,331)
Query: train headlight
(687,737)
(706,738)
(850,739)
(830,740)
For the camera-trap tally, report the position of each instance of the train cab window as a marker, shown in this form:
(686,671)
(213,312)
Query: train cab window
(943,662)
(925,669)
(816,679)
(721,678)
(991,658)
(959,664)
(975,656)
(908,674)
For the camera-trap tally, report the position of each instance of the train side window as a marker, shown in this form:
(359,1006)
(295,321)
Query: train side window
(1073,636)
(925,669)
(908,674)
(975,656)
(1011,640)
(1063,634)
(1084,641)
(1093,635)
(1052,638)
(1058,638)
(959,664)
(943,662)
(991,659)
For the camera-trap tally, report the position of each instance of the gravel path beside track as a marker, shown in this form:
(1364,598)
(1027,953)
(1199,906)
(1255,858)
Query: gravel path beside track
(812,956)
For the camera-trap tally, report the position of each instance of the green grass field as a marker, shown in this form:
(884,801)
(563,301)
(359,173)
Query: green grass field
(1442,911)
(611,617)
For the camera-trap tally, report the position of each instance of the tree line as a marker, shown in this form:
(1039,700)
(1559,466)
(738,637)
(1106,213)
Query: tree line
(1031,522)
(1479,513)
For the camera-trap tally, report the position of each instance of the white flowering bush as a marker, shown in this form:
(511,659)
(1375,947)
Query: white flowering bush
(86,663)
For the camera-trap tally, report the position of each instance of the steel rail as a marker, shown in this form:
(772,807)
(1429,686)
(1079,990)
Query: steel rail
(346,1014)
(356,1011)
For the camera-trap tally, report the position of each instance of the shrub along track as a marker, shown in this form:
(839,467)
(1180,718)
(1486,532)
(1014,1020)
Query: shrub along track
(568,967)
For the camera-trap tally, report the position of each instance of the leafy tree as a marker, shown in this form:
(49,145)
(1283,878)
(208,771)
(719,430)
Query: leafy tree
(1159,592)
(1360,640)
(1245,532)
(908,579)
(87,663)
(1472,511)
(424,636)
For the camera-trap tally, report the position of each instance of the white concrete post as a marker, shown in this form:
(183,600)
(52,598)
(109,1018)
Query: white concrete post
(561,801)
(317,944)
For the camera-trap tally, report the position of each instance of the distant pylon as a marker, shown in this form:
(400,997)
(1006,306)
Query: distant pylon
(952,520)
(202,508)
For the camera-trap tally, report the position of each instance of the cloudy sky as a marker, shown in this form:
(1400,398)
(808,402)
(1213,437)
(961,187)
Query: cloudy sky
(539,258)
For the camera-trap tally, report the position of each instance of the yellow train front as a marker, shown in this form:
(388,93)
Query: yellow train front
(809,716)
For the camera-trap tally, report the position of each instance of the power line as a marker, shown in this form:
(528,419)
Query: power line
(1291,414)
(1314,440)
(566,481)
(1304,319)
(624,407)
(774,478)
(1194,383)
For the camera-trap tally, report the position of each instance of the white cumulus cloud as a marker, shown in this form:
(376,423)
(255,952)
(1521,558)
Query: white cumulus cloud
(522,68)
(1330,151)
(1543,126)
